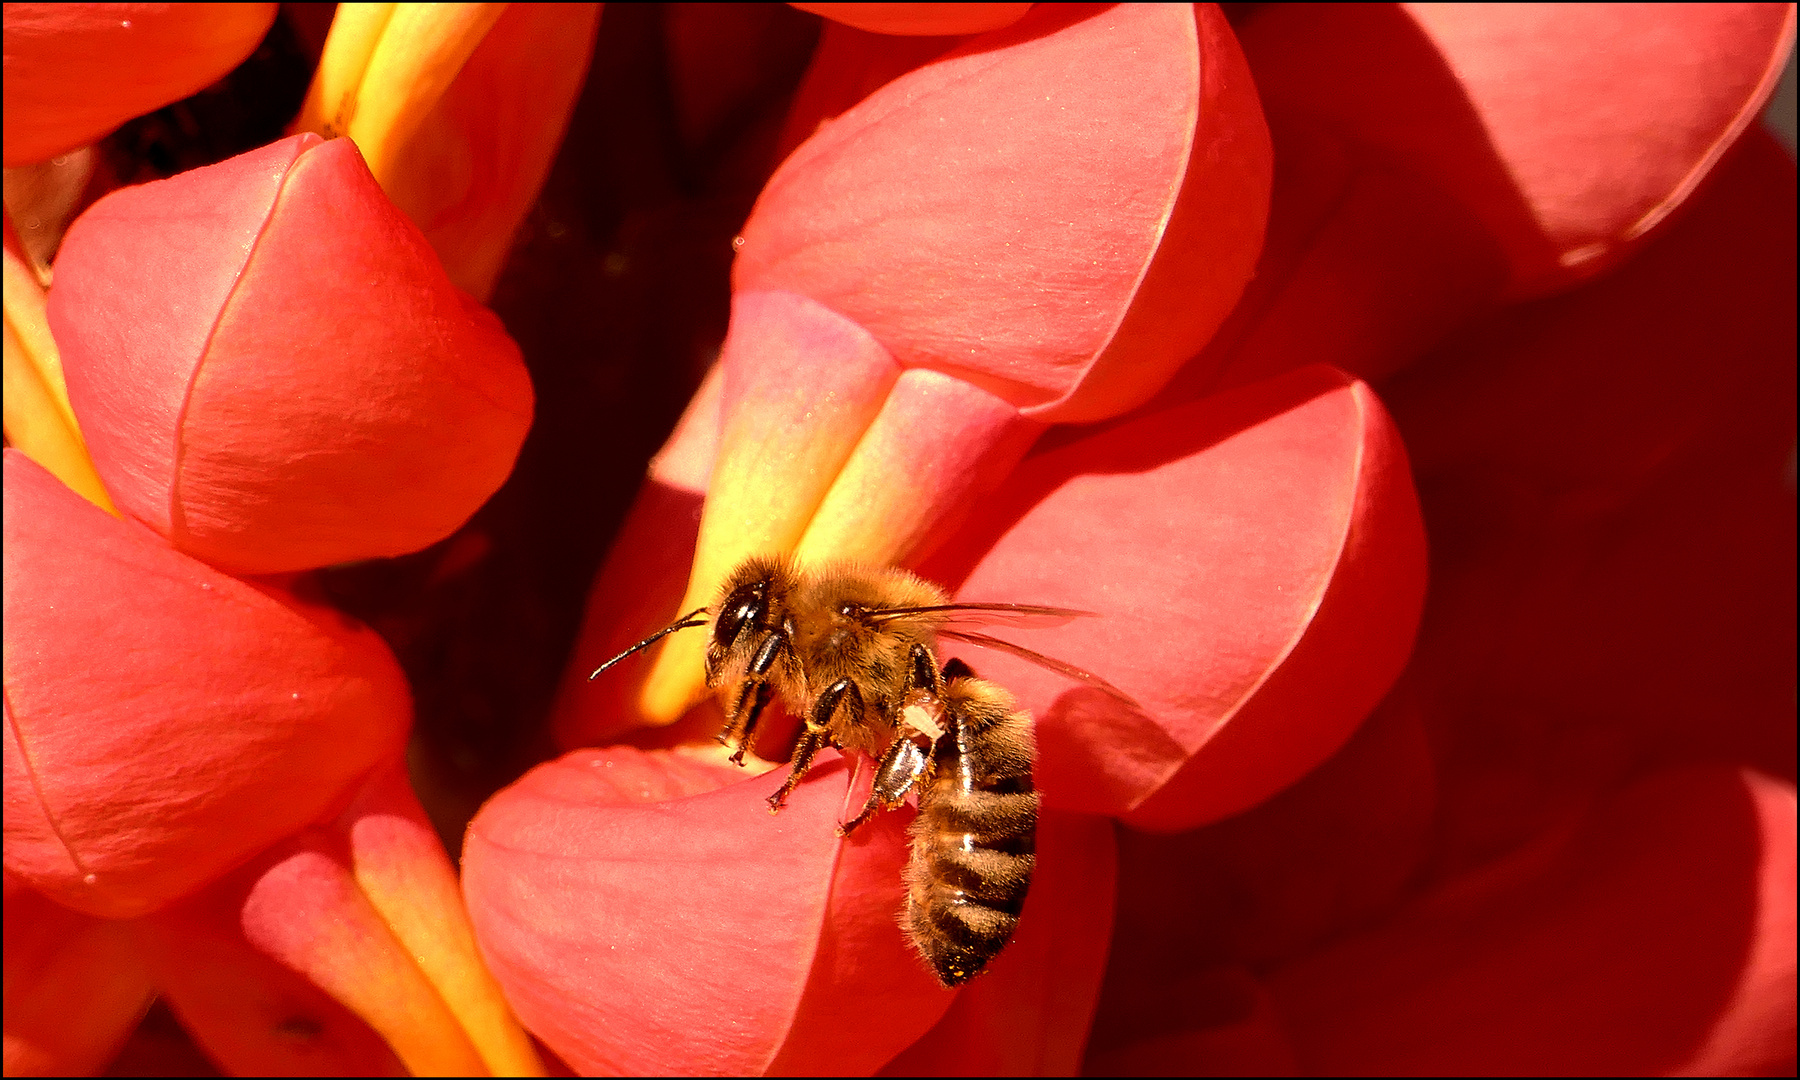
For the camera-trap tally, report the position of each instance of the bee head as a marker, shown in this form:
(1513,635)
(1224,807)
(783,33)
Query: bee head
(747,605)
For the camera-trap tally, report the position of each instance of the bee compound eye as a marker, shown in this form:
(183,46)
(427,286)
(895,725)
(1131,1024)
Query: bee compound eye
(745,606)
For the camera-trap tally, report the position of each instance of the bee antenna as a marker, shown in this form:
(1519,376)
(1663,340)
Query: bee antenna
(696,617)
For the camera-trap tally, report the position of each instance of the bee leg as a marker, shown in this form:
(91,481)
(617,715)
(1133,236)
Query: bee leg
(818,729)
(921,674)
(756,694)
(903,765)
(810,741)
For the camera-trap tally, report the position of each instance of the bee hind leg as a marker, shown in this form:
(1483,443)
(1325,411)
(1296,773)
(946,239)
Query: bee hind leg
(903,766)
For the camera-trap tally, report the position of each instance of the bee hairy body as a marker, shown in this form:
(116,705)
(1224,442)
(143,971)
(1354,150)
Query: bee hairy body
(851,650)
(974,841)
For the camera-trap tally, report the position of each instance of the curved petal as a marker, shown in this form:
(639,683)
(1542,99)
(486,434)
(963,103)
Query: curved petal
(75,987)
(472,167)
(645,919)
(1258,564)
(248,393)
(397,862)
(166,721)
(1063,273)
(921,18)
(76,71)
(1655,936)
(1567,154)
(1028,1013)
(250,1013)
(1067,267)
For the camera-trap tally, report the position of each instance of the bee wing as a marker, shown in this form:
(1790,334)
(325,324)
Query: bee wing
(1038,658)
(1025,616)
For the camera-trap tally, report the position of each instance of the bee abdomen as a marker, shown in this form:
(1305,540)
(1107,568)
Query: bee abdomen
(995,820)
(996,879)
(973,848)
(957,934)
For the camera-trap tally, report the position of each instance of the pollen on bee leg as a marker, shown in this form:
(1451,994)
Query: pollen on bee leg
(924,719)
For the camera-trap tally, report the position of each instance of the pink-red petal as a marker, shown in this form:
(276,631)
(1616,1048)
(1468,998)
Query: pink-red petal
(272,370)
(643,919)
(961,217)
(1257,563)
(166,721)
(76,71)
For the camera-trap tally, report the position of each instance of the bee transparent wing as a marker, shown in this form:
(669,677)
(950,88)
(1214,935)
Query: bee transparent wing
(1038,658)
(1024,616)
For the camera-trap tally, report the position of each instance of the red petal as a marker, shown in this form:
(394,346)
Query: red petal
(921,18)
(75,987)
(1568,154)
(475,167)
(1067,267)
(166,721)
(253,1015)
(1613,533)
(1200,911)
(639,927)
(1655,937)
(1258,565)
(1028,1012)
(248,390)
(76,71)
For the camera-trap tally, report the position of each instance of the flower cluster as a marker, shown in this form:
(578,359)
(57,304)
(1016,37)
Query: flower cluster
(1407,392)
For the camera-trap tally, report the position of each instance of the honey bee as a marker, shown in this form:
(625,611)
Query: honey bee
(850,650)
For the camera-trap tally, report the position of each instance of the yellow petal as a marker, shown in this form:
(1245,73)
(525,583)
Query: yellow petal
(802,384)
(39,419)
(402,868)
(383,69)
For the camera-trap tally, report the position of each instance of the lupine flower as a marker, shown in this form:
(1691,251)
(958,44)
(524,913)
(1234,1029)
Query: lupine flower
(883,315)
(1008,314)
(210,764)
(553,829)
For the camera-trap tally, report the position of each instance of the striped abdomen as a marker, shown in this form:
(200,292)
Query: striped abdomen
(973,841)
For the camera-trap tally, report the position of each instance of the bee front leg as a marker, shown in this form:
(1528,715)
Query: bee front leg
(817,731)
(755,694)
(903,766)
